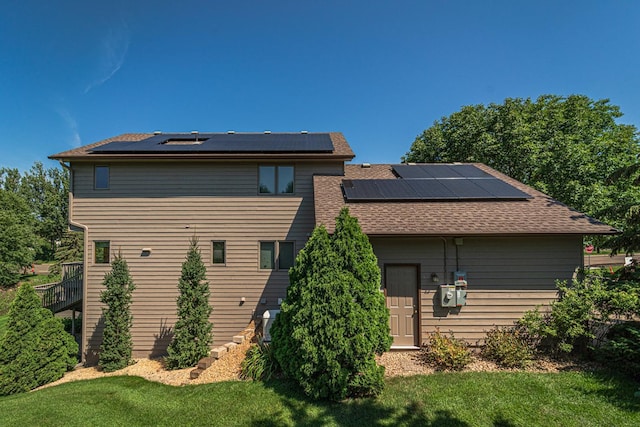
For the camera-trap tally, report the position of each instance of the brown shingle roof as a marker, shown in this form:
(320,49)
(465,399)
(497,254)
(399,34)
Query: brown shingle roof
(539,215)
(341,151)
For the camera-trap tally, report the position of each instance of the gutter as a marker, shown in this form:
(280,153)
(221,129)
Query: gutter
(85,232)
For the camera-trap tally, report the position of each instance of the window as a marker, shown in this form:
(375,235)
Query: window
(285,255)
(218,251)
(101,177)
(267,255)
(276,179)
(102,252)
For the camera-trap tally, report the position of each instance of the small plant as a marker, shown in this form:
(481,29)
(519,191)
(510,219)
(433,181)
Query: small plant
(622,351)
(446,353)
(260,363)
(507,348)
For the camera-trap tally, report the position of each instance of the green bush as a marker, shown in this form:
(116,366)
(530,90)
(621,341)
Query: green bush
(117,345)
(507,348)
(622,350)
(260,364)
(446,353)
(35,349)
(333,320)
(192,338)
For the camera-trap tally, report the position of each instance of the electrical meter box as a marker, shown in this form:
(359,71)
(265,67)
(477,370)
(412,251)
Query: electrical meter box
(447,296)
(460,283)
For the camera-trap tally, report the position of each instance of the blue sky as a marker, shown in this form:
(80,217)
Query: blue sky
(74,72)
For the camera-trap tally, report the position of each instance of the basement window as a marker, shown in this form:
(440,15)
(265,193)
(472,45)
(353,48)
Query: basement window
(101,250)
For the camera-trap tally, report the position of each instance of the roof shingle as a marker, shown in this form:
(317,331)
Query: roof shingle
(539,215)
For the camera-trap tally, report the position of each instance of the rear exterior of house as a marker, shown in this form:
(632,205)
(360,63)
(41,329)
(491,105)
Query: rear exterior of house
(147,206)
(252,200)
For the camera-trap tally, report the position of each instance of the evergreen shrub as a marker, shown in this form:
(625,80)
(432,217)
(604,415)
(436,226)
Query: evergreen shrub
(35,349)
(192,335)
(334,320)
(117,344)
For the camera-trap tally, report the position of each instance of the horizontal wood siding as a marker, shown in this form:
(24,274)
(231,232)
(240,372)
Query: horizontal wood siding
(161,207)
(506,277)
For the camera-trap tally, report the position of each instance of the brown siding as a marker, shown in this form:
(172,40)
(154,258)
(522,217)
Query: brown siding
(506,277)
(160,206)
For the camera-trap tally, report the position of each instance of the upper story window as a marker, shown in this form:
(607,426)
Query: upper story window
(276,179)
(101,177)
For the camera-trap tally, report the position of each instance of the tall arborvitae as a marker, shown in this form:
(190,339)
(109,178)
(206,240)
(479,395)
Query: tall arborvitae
(320,336)
(35,349)
(117,345)
(192,338)
(356,256)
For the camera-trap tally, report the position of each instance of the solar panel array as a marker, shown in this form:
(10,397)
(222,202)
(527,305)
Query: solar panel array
(430,183)
(224,143)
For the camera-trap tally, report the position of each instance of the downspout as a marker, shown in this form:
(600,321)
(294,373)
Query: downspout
(446,273)
(85,232)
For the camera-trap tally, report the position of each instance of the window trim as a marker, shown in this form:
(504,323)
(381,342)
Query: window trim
(95,252)
(224,253)
(276,179)
(276,254)
(95,177)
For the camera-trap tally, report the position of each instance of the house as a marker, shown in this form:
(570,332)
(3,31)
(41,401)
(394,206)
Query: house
(252,200)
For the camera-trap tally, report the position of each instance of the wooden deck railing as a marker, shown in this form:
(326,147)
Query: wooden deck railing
(66,293)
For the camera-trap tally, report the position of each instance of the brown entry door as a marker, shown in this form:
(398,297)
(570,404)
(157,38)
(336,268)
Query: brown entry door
(402,301)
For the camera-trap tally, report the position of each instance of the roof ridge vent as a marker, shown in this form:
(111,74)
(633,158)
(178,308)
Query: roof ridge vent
(267,132)
(157,132)
(231,132)
(365,165)
(304,131)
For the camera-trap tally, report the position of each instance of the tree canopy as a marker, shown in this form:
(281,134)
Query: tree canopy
(571,148)
(33,217)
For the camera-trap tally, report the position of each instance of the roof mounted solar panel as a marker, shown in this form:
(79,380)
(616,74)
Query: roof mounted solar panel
(223,143)
(439,171)
(430,189)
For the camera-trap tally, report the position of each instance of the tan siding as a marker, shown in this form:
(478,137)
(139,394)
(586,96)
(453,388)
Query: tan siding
(160,206)
(506,277)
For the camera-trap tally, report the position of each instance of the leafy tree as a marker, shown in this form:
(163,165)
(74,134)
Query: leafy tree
(117,345)
(35,349)
(568,147)
(17,238)
(71,248)
(192,339)
(324,336)
(46,191)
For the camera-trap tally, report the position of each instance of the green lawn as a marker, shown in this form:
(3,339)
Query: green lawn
(448,399)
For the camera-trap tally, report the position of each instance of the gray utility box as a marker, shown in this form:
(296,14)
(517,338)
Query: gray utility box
(447,295)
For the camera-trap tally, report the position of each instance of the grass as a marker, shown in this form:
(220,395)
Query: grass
(39,279)
(456,399)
